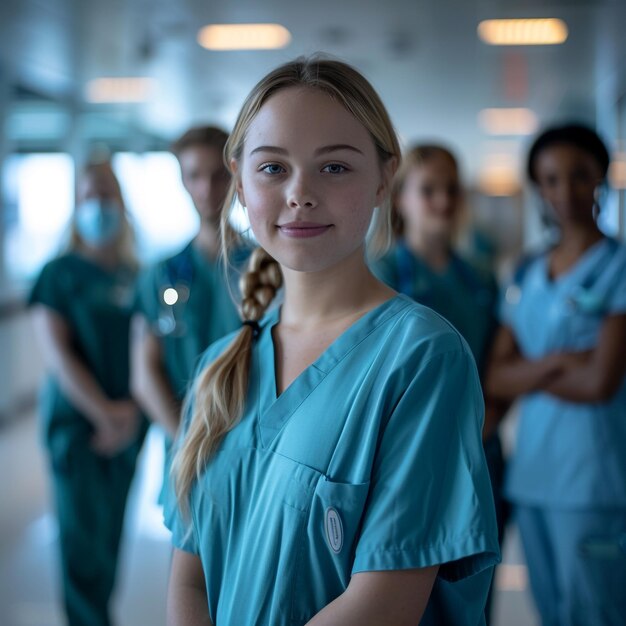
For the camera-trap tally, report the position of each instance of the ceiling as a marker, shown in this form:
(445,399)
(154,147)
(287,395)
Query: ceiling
(424,58)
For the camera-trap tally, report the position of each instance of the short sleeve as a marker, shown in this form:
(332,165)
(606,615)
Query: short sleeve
(183,530)
(430,499)
(180,523)
(52,289)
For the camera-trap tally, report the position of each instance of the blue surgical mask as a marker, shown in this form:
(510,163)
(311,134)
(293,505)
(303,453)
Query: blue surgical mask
(97,221)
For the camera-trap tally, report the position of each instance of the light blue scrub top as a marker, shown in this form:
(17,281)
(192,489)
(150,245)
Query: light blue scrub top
(568,455)
(370,460)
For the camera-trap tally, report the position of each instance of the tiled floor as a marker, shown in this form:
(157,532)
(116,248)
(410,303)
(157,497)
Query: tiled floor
(28,583)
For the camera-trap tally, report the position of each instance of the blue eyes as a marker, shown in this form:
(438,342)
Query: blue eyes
(274,168)
(334,168)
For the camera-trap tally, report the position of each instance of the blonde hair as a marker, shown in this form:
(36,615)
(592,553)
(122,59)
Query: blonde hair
(219,392)
(125,242)
(415,157)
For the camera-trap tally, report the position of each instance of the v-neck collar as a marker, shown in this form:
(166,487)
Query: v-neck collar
(274,411)
(580,268)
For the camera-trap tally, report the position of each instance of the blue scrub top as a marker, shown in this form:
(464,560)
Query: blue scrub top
(204,312)
(568,454)
(465,295)
(370,460)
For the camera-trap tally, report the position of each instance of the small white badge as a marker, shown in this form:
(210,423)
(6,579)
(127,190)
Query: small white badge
(334,530)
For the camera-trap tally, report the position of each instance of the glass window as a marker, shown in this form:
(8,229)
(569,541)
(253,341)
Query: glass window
(39,198)
(161,210)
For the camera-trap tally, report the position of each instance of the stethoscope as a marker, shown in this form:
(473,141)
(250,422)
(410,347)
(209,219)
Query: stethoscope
(422,291)
(174,291)
(584,298)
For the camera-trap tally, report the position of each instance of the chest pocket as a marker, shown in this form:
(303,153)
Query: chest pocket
(331,534)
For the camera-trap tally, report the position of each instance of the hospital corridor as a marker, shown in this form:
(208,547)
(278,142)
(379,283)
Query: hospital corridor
(313,313)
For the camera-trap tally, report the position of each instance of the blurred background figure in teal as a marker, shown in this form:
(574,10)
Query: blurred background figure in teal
(185,302)
(92,429)
(423,264)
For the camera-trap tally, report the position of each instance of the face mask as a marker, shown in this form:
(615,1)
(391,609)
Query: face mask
(98,222)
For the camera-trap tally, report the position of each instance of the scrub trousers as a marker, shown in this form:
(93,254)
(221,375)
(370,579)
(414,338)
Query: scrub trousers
(90,495)
(576,563)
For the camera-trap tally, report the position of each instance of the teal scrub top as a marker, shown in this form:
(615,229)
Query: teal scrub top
(96,304)
(203,313)
(465,295)
(568,454)
(370,460)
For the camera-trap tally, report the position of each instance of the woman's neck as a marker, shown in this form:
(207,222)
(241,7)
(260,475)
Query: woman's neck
(207,241)
(433,249)
(576,238)
(340,294)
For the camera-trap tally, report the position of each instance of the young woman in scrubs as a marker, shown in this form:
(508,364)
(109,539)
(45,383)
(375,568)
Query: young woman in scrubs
(93,431)
(184,303)
(426,208)
(561,351)
(330,470)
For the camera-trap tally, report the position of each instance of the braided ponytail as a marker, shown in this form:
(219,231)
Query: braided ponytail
(220,390)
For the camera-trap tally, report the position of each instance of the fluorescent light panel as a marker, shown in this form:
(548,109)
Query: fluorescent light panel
(511,121)
(137,89)
(244,36)
(523,32)
(498,181)
(498,174)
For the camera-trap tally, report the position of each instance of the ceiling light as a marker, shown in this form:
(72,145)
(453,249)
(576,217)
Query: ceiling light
(102,90)
(498,175)
(513,121)
(243,36)
(523,32)
(498,181)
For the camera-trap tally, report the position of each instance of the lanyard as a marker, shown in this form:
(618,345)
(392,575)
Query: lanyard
(174,288)
(179,269)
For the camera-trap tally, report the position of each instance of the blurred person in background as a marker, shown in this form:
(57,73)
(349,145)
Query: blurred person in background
(561,350)
(93,430)
(184,302)
(423,264)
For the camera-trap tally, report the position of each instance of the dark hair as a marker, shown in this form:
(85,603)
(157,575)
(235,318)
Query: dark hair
(576,135)
(209,136)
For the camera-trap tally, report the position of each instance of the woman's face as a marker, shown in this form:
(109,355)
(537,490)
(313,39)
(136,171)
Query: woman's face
(430,199)
(99,211)
(310,178)
(567,177)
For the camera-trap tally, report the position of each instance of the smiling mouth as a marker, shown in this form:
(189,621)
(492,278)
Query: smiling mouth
(303,229)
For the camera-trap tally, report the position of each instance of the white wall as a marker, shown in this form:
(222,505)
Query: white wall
(21,364)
